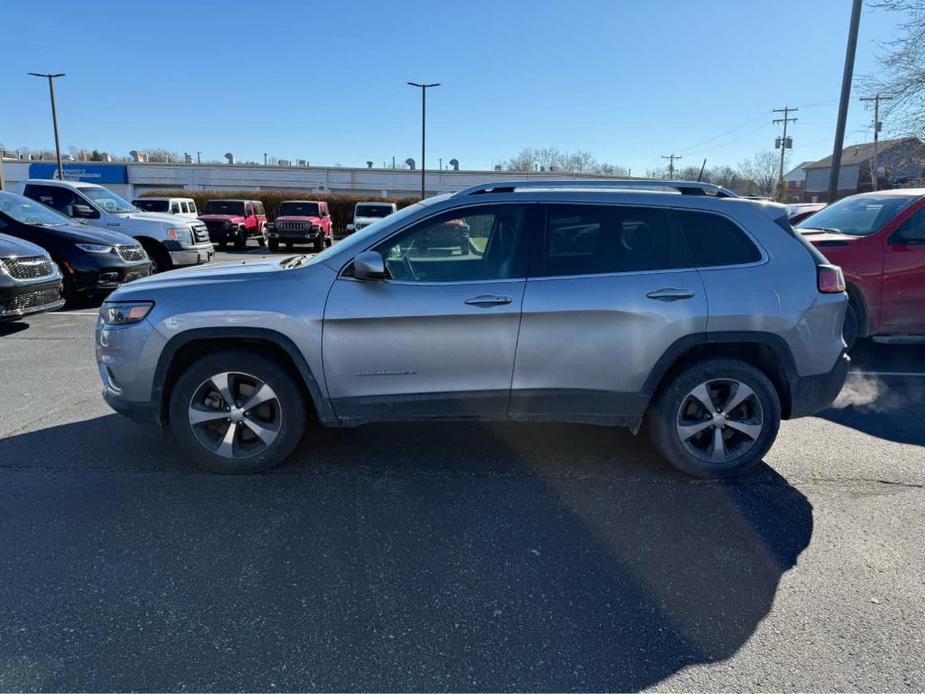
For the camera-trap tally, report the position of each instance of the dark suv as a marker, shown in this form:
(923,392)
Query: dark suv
(92,261)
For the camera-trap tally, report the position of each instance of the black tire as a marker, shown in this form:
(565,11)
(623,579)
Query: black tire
(160,258)
(292,411)
(850,329)
(240,239)
(273,245)
(328,241)
(665,417)
(318,244)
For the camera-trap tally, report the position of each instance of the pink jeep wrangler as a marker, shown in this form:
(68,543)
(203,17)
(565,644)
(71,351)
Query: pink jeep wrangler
(302,221)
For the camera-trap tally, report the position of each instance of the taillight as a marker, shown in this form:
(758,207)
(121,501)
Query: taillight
(831,280)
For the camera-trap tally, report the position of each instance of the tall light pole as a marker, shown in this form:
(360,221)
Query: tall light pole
(54,116)
(423,88)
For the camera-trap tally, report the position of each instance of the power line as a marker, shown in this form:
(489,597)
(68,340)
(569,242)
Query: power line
(878,126)
(671,158)
(783,142)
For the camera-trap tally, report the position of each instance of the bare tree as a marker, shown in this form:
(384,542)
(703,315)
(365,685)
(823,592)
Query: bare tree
(902,68)
(551,159)
(760,173)
(159,154)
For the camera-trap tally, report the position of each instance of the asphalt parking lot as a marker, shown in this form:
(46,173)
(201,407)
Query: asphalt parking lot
(454,557)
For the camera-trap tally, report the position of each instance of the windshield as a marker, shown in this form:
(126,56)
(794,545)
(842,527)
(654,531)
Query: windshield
(298,209)
(358,240)
(373,210)
(152,205)
(858,215)
(230,207)
(108,200)
(26,211)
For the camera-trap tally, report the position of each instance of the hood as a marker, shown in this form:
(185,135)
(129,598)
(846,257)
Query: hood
(79,233)
(819,236)
(366,220)
(211,273)
(11,246)
(221,218)
(299,218)
(159,217)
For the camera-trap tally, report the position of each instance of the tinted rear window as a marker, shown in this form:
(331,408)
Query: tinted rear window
(599,239)
(715,240)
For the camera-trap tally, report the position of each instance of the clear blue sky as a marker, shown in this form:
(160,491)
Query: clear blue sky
(325,81)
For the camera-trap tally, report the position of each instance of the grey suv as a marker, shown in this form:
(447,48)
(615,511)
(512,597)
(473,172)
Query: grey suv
(674,305)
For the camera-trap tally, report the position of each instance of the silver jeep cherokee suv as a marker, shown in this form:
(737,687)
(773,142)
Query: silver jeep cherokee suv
(675,305)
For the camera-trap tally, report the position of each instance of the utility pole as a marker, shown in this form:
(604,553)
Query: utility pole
(843,100)
(423,88)
(54,116)
(783,143)
(878,126)
(671,158)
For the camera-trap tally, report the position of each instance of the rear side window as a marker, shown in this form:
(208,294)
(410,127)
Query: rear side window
(603,239)
(715,241)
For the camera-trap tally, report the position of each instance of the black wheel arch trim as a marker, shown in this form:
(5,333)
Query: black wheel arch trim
(679,348)
(158,392)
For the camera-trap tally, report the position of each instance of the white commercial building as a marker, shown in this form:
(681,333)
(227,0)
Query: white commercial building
(132,179)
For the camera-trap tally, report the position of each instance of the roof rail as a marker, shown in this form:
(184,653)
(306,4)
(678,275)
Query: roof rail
(683,187)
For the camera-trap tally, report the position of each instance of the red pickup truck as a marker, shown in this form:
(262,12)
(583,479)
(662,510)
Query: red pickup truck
(878,239)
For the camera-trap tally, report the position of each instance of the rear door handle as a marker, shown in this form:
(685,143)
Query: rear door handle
(488,300)
(670,294)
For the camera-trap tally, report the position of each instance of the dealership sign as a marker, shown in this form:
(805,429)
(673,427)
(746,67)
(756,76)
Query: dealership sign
(85,173)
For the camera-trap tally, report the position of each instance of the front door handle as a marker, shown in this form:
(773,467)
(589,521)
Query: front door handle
(488,300)
(670,294)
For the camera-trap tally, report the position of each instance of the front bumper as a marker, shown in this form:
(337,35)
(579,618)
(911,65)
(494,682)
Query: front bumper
(812,394)
(141,412)
(105,279)
(193,255)
(20,300)
(295,236)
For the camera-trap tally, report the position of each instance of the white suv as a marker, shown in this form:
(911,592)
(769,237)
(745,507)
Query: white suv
(170,241)
(181,207)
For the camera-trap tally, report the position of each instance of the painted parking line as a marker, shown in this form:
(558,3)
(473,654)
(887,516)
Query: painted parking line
(903,374)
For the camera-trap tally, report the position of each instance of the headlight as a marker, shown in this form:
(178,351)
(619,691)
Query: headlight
(181,234)
(123,313)
(94,247)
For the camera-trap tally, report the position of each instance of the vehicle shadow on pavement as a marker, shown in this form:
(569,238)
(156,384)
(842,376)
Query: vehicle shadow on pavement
(412,557)
(12,328)
(888,408)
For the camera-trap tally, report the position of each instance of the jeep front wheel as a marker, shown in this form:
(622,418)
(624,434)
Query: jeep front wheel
(237,411)
(716,418)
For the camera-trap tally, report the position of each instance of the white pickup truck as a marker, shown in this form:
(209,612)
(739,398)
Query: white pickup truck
(170,241)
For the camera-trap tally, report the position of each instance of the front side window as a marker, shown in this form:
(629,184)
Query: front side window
(912,230)
(475,244)
(61,199)
(858,215)
(715,241)
(603,239)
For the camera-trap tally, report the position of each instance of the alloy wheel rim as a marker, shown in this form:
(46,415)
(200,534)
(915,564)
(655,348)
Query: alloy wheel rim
(235,415)
(720,420)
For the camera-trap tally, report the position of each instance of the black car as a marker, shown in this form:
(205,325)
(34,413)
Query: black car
(92,261)
(29,281)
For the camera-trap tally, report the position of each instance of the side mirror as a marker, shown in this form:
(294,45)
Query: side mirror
(369,265)
(83,212)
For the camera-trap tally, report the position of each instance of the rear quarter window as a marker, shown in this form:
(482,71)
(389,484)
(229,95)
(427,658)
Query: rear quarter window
(715,240)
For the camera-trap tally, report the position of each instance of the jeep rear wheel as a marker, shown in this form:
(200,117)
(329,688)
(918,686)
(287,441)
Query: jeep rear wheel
(237,411)
(716,418)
